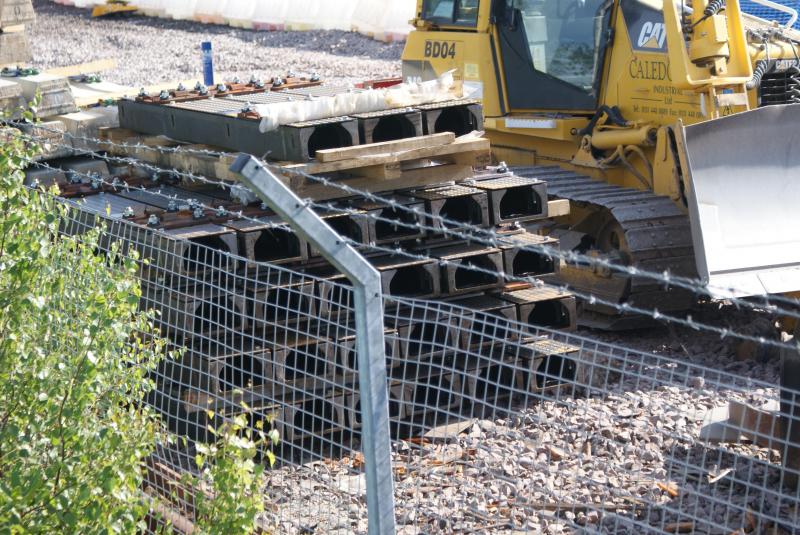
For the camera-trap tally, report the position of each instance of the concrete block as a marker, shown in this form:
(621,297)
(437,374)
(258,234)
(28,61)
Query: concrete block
(14,48)
(56,95)
(10,98)
(49,135)
(87,124)
(13,12)
(44,177)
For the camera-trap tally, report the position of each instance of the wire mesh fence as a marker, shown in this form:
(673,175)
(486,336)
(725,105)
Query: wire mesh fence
(252,339)
(497,425)
(558,432)
(503,417)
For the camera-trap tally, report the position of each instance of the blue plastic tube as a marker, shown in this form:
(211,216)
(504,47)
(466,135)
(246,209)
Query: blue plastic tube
(208,64)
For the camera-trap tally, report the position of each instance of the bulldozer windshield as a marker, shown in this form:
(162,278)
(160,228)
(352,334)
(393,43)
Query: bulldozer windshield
(563,38)
(451,12)
(553,49)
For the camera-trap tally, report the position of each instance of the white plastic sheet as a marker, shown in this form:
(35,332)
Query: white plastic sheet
(369,15)
(303,15)
(239,13)
(152,8)
(337,14)
(442,89)
(210,11)
(395,23)
(85,3)
(180,9)
(270,15)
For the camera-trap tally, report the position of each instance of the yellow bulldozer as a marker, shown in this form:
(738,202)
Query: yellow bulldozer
(672,126)
(681,115)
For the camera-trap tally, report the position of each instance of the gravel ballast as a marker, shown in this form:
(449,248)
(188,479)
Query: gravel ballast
(626,457)
(151,50)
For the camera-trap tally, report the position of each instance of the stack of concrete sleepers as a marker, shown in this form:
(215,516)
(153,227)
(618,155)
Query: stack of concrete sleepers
(14,46)
(283,341)
(53,91)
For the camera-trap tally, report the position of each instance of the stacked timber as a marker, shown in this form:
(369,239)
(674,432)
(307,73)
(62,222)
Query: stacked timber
(281,342)
(14,46)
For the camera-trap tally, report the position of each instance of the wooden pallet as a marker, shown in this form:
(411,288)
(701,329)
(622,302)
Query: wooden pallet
(423,176)
(380,167)
(406,163)
(391,160)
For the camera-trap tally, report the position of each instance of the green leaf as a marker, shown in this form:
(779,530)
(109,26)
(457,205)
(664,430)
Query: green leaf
(77,358)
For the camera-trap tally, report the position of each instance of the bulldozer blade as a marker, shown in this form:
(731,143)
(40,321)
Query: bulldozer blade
(105,10)
(743,193)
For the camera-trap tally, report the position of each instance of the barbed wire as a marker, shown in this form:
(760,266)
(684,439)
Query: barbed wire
(180,149)
(219,211)
(397,251)
(590,298)
(154,169)
(494,240)
(694,285)
(688,283)
(505,241)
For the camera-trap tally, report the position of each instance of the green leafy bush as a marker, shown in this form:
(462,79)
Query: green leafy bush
(230,464)
(75,357)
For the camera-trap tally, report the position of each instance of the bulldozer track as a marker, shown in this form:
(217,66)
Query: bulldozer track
(657,239)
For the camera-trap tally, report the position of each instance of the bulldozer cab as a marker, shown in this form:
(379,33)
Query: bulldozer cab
(555,56)
(552,50)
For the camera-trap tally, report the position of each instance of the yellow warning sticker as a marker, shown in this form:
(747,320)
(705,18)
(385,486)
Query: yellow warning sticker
(471,71)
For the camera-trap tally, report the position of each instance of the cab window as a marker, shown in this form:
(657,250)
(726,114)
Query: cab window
(553,51)
(451,12)
(563,37)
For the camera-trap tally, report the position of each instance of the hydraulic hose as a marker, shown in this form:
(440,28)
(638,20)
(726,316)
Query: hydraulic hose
(759,71)
(613,114)
(713,7)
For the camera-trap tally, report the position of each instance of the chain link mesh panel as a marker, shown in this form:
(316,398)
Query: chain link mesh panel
(525,429)
(498,425)
(253,339)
